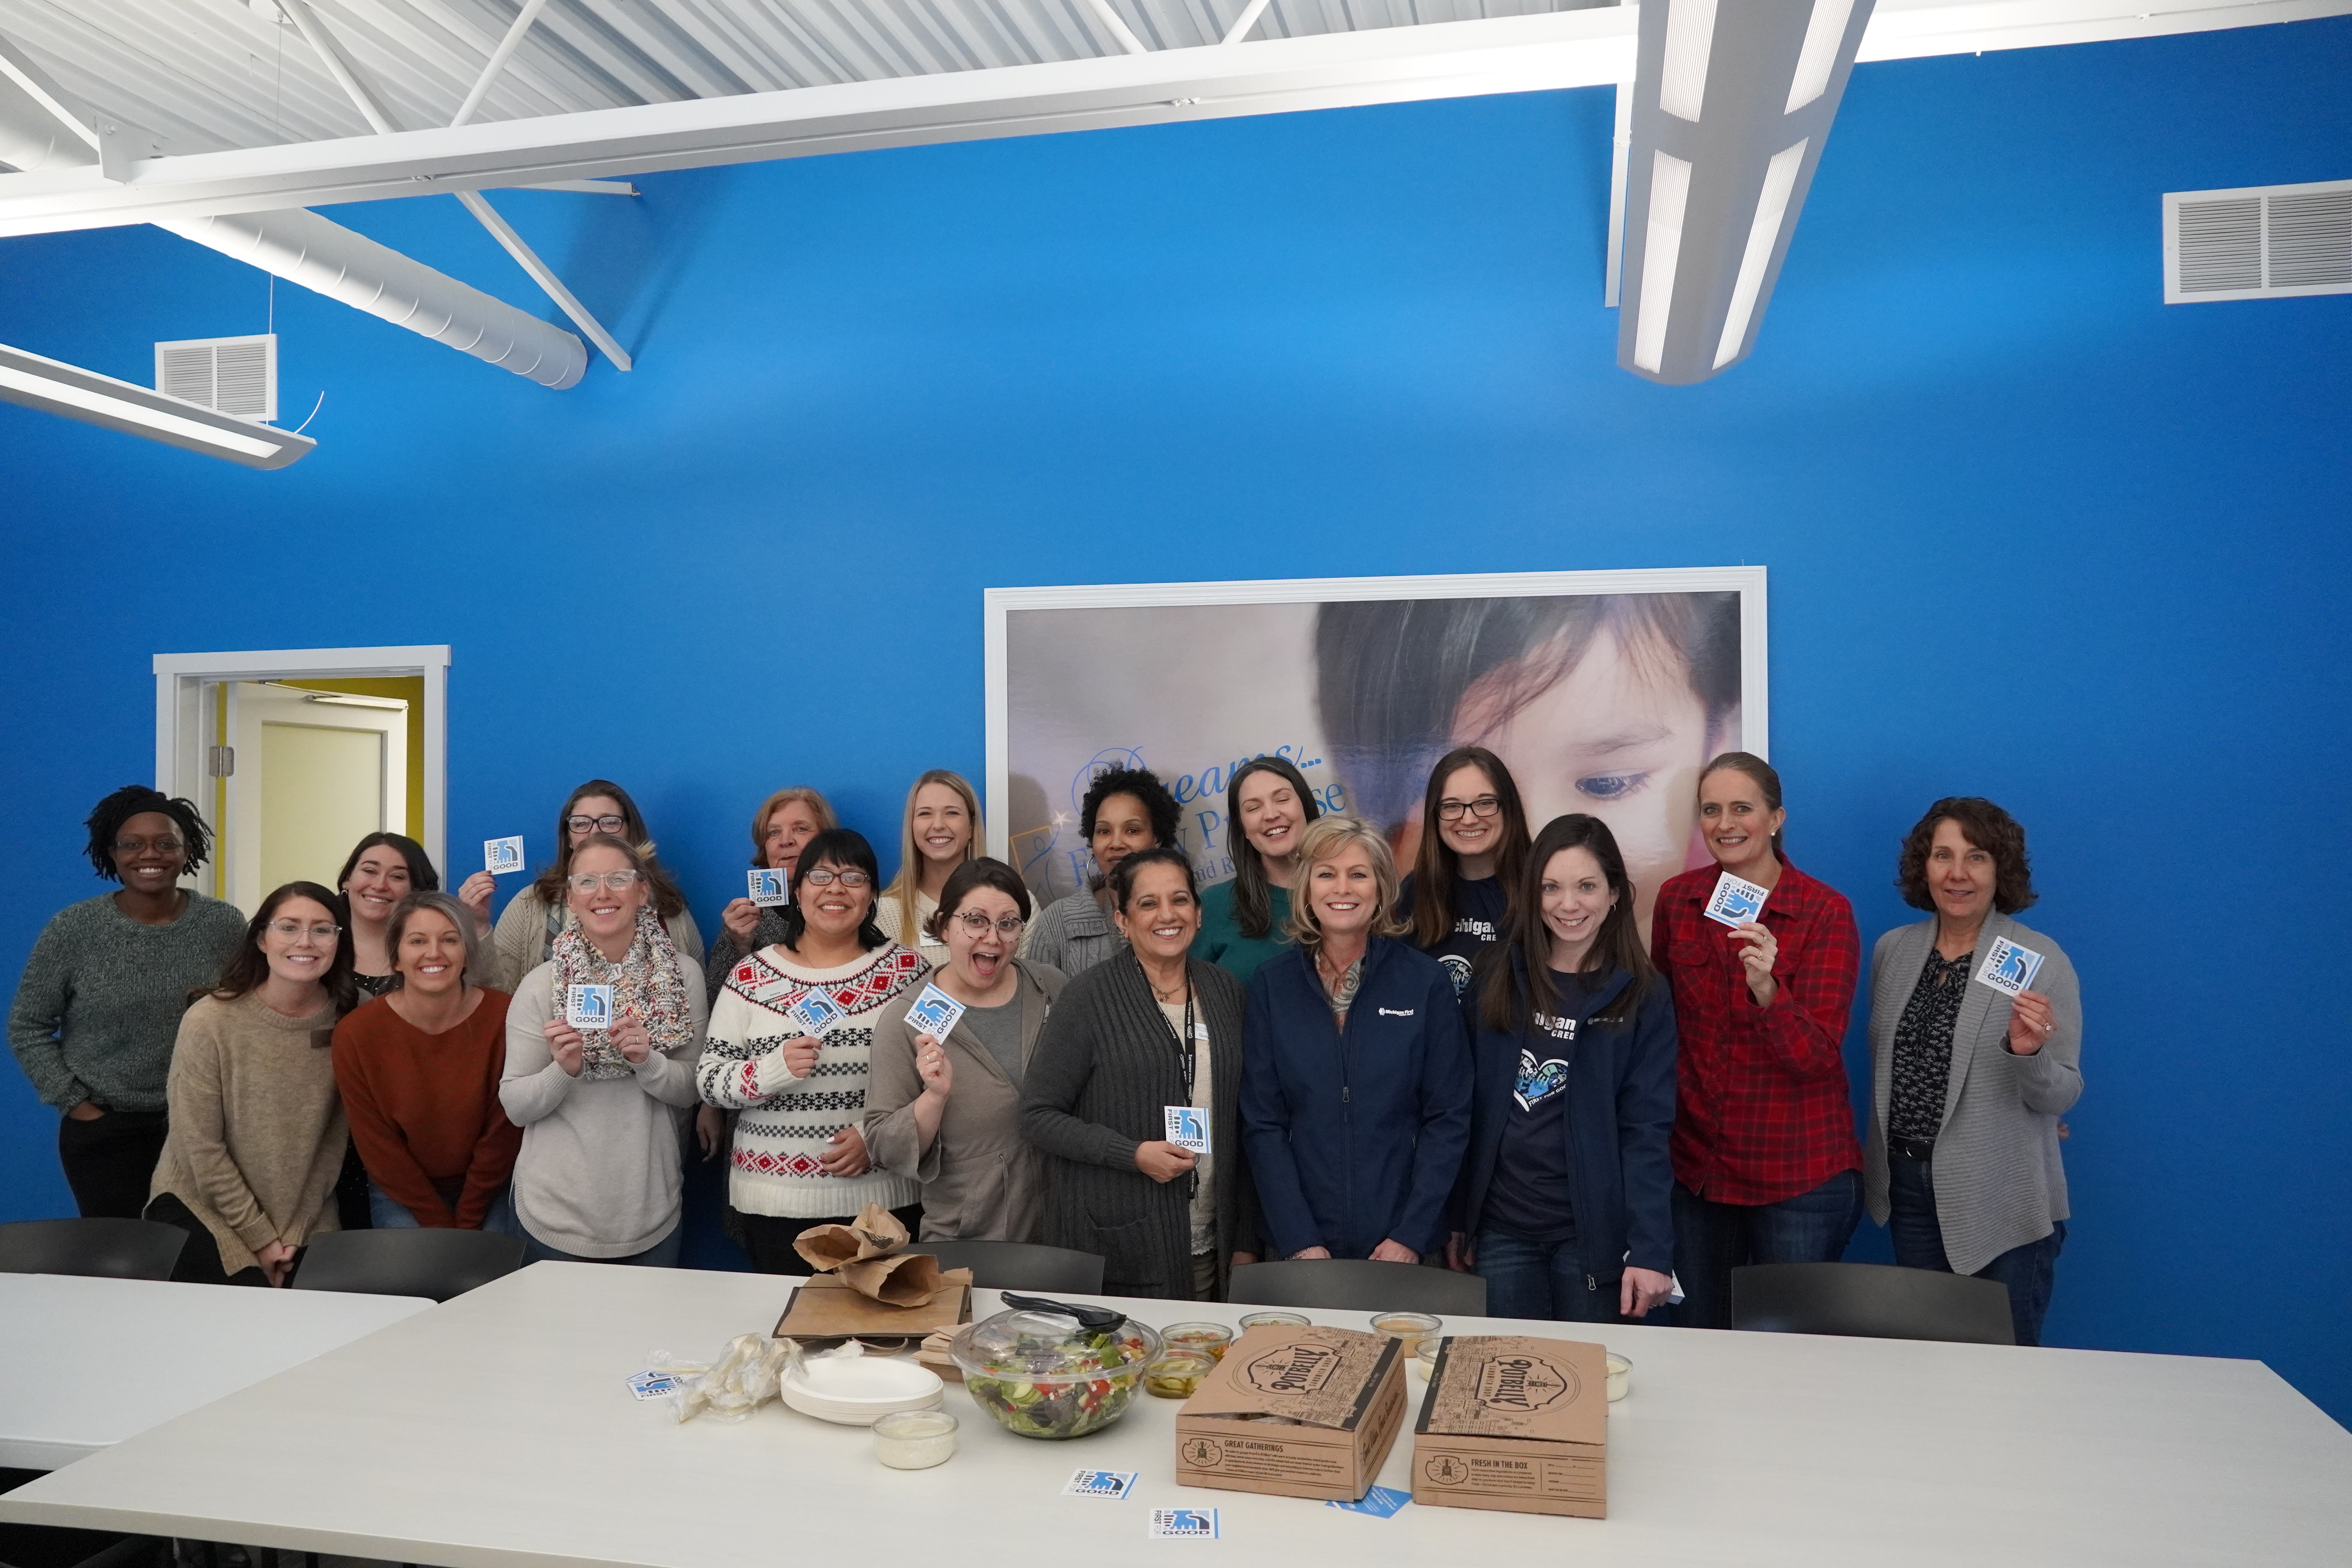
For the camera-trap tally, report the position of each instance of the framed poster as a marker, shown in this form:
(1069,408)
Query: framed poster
(1602,692)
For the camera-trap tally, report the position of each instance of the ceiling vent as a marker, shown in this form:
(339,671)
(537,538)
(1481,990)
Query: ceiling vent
(237,376)
(2264,242)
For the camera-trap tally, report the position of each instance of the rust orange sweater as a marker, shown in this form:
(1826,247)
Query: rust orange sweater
(425,1110)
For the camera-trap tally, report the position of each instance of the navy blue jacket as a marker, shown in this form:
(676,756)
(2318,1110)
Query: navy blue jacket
(1354,1136)
(1621,1110)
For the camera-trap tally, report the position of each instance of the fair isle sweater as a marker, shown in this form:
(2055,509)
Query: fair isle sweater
(787,1122)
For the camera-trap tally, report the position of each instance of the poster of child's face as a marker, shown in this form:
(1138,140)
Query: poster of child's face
(1606,702)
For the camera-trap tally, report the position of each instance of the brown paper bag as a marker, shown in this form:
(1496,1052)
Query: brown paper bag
(874,1233)
(865,1256)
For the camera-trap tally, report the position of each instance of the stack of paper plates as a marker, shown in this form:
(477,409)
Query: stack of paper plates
(856,1391)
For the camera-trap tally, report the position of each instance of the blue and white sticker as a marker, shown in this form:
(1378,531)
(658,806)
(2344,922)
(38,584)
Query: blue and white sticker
(1538,1081)
(654,1385)
(1187,1126)
(1381,1502)
(934,1013)
(770,889)
(1110,1486)
(815,1012)
(588,1007)
(2009,968)
(500,855)
(1735,900)
(1184,1524)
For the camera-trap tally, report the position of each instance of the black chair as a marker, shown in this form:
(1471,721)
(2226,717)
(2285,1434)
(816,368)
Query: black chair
(1871,1301)
(1357,1284)
(107,1249)
(438,1264)
(1019,1265)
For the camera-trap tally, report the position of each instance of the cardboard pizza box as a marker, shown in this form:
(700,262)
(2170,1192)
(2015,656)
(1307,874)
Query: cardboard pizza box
(1514,1423)
(1298,1412)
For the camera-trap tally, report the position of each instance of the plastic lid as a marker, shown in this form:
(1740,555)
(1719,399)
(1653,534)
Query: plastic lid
(1049,1347)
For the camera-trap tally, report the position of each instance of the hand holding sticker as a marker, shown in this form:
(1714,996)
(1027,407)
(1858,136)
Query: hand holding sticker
(1187,1126)
(770,889)
(501,856)
(1735,901)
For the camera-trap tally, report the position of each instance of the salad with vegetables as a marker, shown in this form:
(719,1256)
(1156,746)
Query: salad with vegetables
(1046,1369)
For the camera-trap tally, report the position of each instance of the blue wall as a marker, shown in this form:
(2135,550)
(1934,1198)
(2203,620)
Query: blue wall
(2030,532)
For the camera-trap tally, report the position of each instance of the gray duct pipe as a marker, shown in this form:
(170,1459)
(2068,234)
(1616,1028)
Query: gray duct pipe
(304,247)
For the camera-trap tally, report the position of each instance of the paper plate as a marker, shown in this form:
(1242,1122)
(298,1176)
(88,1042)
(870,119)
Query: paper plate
(856,1391)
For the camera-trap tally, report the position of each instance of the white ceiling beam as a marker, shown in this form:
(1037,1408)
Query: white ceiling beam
(499,58)
(1451,59)
(544,275)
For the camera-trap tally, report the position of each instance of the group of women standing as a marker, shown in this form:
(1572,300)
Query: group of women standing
(1481,1065)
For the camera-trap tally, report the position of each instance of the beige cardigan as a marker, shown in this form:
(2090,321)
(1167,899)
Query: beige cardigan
(258,1132)
(983,1181)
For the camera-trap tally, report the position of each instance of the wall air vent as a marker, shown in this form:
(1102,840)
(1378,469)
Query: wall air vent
(237,376)
(2264,242)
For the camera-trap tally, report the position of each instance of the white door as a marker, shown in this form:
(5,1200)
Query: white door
(311,777)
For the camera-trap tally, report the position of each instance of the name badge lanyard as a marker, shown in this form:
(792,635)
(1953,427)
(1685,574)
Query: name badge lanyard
(1190,1052)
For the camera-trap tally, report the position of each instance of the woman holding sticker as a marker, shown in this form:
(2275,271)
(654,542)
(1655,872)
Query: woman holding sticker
(1967,1082)
(1565,1204)
(527,929)
(1124,811)
(781,828)
(597,1179)
(1355,1097)
(382,869)
(1243,920)
(1766,1167)
(790,1051)
(1146,1032)
(1469,873)
(942,832)
(947,1112)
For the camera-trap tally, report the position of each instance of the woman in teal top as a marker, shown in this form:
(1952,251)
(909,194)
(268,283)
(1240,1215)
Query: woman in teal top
(1268,808)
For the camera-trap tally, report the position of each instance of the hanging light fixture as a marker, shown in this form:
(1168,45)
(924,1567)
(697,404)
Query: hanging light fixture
(59,388)
(1731,104)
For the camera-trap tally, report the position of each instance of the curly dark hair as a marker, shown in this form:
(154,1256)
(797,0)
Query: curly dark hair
(1987,827)
(1144,785)
(106,820)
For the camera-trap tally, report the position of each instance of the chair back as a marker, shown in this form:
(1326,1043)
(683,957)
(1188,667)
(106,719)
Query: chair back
(435,1264)
(1357,1284)
(1871,1301)
(108,1248)
(1019,1265)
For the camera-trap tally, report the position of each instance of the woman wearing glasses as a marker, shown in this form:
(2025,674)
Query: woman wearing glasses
(526,934)
(792,1042)
(1468,873)
(100,1004)
(258,1132)
(948,1112)
(597,1179)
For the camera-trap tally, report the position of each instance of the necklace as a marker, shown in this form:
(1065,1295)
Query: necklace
(1170,992)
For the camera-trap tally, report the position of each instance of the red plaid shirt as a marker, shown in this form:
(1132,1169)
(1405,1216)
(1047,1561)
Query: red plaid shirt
(1764,1112)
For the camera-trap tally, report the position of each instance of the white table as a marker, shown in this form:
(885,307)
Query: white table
(497,1432)
(85,1363)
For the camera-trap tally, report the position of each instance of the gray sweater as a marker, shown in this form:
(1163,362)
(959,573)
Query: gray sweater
(1072,934)
(1105,1067)
(99,1005)
(1999,1183)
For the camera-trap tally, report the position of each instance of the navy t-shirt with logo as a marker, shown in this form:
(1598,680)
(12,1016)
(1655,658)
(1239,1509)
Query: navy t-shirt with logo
(1479,907)
(1530,1197)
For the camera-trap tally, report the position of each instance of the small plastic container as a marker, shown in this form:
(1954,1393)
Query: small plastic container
(915,1439)
(1410,1327)
(1278,1320)
(1424,1361)
(1214,1339)
(1177,1374)
(1621,1376)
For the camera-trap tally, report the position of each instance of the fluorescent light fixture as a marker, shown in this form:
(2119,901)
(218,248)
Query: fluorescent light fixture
(1669,195)
(1771,207)
(1690,38)
(59,388)
(351,700)
(1825,31)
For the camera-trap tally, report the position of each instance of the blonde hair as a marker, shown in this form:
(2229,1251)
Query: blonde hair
(1328,838)
(819,807)
(909,883)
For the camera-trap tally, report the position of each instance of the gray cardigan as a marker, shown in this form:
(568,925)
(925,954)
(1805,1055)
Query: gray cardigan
(1073,935)
(981,1180)
(1999,1179)
(1102,1073)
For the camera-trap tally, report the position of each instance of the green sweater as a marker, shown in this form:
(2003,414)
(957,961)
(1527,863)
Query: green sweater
(1221,941)
(99,1005)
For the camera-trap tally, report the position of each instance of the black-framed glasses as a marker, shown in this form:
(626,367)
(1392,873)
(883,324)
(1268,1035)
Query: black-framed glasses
(825,878)
(1452,810)
(979,925)
(293,930)
(167,845)
(618,881)
(612,824)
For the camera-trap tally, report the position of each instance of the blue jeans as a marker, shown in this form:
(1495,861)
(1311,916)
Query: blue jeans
(662,1253)
(2029,1272)
(388,1212)
(1529,1279)
(1711,1239)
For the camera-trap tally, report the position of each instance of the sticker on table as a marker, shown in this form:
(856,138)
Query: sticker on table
(588,1006)
(770,888)
(1188,1127)
(934,1013)
(815,1012)
(1735,900)
(2008,967)
(1381,1502)
(1184,1524)
(500,855)
(1111,1486)
(654,1385)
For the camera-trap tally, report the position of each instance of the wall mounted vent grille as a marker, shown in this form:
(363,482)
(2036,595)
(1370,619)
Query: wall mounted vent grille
(2264,242)
(237,376)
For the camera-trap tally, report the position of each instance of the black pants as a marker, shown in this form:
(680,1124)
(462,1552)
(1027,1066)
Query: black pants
(199,1260)
(769,1238)
(109,1161)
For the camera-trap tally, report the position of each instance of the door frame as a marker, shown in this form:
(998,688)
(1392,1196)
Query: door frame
(181,679)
